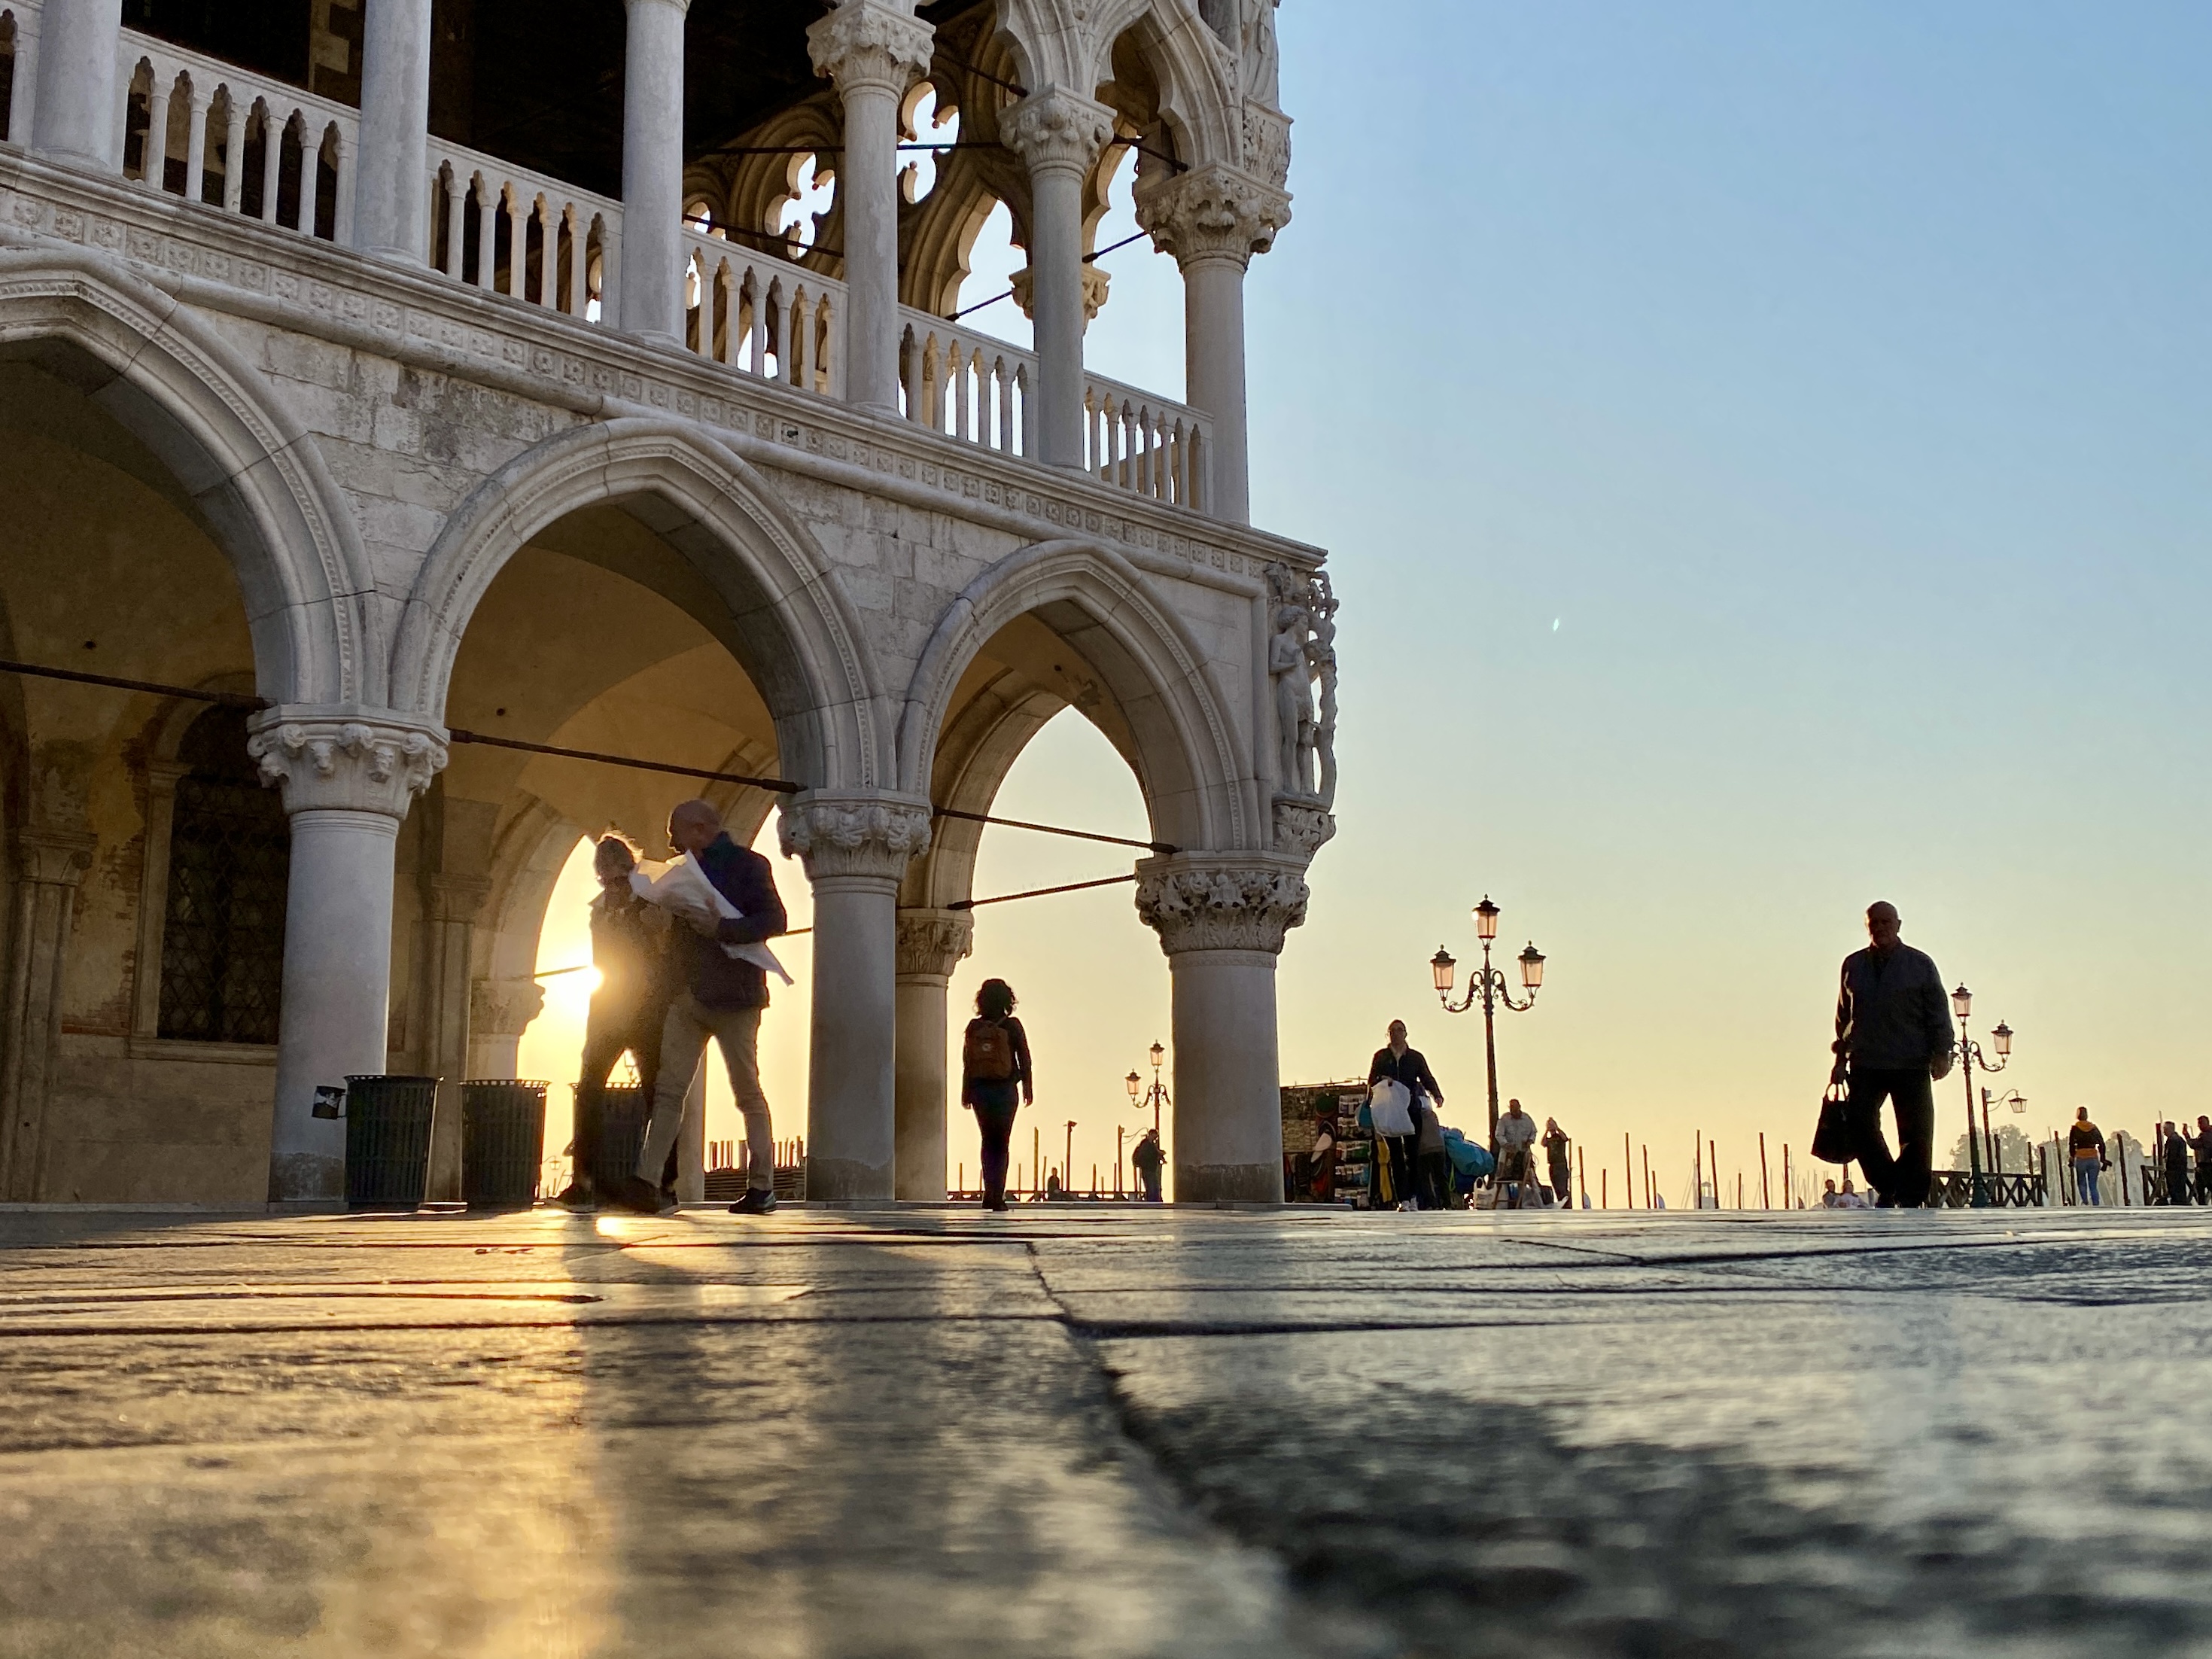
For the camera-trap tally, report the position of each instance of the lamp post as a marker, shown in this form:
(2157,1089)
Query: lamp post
(1156,1096)
(1488,985)
(1970,1056)
(1068,1162)
(2011,1097)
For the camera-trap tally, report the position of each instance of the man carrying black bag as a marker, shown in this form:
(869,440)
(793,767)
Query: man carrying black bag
(1893,1040)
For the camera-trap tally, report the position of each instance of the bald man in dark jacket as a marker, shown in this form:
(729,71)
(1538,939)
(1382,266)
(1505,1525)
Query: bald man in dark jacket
(1893,1040)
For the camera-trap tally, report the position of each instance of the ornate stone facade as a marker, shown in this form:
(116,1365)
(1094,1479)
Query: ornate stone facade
(1054,130)
(1219,902)
(870,43)
(933,943)
(1212,212)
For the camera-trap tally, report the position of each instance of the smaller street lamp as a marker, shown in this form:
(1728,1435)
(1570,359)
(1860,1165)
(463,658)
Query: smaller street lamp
(1155,1096)
(1487,985)
(1970,1056)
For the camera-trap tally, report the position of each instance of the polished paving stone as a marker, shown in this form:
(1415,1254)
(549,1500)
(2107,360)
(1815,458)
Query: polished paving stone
(1106,1431)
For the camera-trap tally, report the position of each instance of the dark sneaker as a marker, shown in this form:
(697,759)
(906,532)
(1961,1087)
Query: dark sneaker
(757,1201)
(642,1198)
(577,1198)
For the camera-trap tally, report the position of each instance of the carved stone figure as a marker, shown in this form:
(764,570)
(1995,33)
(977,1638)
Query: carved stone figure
(1262,60)
(1302,648)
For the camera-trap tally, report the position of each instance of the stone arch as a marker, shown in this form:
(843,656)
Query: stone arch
(1181,741)
(251,472)
(783,614)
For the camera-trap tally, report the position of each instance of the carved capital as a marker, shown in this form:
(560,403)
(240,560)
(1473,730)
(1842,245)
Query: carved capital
(53,858)
(1220,901)
(1212,212)
(1054,129)
(1265,137)
(504,1007)
(346,759)
(854,834)
(931,943)
(872,43)
(1303,826)
(455,898)
(1095,282)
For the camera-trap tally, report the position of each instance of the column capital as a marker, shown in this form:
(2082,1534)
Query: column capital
(52,857)
(346,759)
(933,943)
(455,898)
(1095,284)
(854,832)
(872,45)
(1220,901)
(1212,212)
(1054,129)
(504,1007)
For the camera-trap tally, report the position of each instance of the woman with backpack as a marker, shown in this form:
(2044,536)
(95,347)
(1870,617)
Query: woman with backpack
(995,1080)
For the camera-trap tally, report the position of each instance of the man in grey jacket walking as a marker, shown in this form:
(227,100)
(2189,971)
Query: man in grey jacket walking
(1893,1039)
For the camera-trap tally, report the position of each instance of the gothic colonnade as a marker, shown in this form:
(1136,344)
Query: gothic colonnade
(1212,214)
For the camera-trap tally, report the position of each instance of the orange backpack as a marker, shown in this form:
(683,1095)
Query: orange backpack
(986,1054)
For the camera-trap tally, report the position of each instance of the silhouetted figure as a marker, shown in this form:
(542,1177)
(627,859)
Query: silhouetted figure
(2175,1150)
(1893,1039)
(1321,1161)
(1403,1064)
(1517,1140)
(2201,1143)
(996,1080)
(2085,1149)
(1146,1160)
(630,948)
(1559,1160)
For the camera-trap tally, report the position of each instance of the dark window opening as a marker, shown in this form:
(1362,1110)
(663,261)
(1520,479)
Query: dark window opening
(230,857)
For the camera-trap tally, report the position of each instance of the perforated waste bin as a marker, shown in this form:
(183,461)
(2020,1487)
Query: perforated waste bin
(622,1135)
(387,1120)
(502,1143)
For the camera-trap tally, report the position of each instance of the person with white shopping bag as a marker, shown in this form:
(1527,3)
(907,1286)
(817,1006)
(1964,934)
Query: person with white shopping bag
(1397,1074)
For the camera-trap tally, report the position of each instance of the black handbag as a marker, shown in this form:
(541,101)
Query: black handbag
(1832,1138)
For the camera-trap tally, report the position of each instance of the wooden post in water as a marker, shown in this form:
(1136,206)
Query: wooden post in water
(1604,1189)
(1627,1172)
(1713,1149)
(1647,1177)
(1582,1173)
(1789,1186)
(1698,1174)
(1765,1202)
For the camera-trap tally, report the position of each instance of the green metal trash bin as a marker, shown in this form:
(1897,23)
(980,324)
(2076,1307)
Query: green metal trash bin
(502,1143)
(388,1141)
(622,1135)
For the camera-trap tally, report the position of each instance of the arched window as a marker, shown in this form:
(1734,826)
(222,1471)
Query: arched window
(230,854)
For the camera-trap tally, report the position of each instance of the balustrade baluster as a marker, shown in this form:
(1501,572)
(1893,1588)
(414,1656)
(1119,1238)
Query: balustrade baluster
(518,244)
(155,151)
(579,264)
(273,161)
(909,373)
(1029,409)
(341,160)
(235,118)
(548,253)
(963,403)
(197,112)
(801,329)
(487,230)
(456,226)
(311,179)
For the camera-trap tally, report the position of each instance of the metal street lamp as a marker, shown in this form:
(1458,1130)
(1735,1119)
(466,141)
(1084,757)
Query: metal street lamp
(2011,1097)
(1487,985)
(1970,1056)
(1154,1096)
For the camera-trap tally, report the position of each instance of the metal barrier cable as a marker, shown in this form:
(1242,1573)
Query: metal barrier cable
(780,786)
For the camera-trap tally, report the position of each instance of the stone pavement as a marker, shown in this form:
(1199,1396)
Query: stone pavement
(1105,1432)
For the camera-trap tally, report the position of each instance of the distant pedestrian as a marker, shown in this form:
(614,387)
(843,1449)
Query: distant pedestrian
(1432,1172)
(2175,1146)
(1893,1039)
(1829,1195)
(1321,1161)
(1516,1137)
(2085,1149)
(1849,1197)
(630,941)
(1147,1159)
(2201,1144)
(996,1080)
(1397,1061)
(1559,1162)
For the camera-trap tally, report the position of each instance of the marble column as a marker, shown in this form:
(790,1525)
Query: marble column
(1213,219)
(500,1011)
(931,944)
(855,846)
(1059,135)
(451,904)
(390,214)
(874,50)
(1221,917)
(348,777)
(49,864)
(73,117)
(650,296)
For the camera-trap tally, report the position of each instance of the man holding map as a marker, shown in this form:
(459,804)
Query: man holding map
(724,897)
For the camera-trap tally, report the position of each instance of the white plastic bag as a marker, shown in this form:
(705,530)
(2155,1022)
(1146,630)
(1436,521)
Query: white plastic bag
(1387,1104)
(683,887)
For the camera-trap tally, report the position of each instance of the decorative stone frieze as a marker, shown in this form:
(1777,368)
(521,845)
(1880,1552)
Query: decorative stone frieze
(872,43)
(854,835)
(1220,901)
(1302,827)
(346,759)
(1054,129)
(504,1007)
(1212,212)
(1267,142)
(931,943)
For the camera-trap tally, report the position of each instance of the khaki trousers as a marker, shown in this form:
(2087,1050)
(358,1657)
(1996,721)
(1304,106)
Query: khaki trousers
(683,1036)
